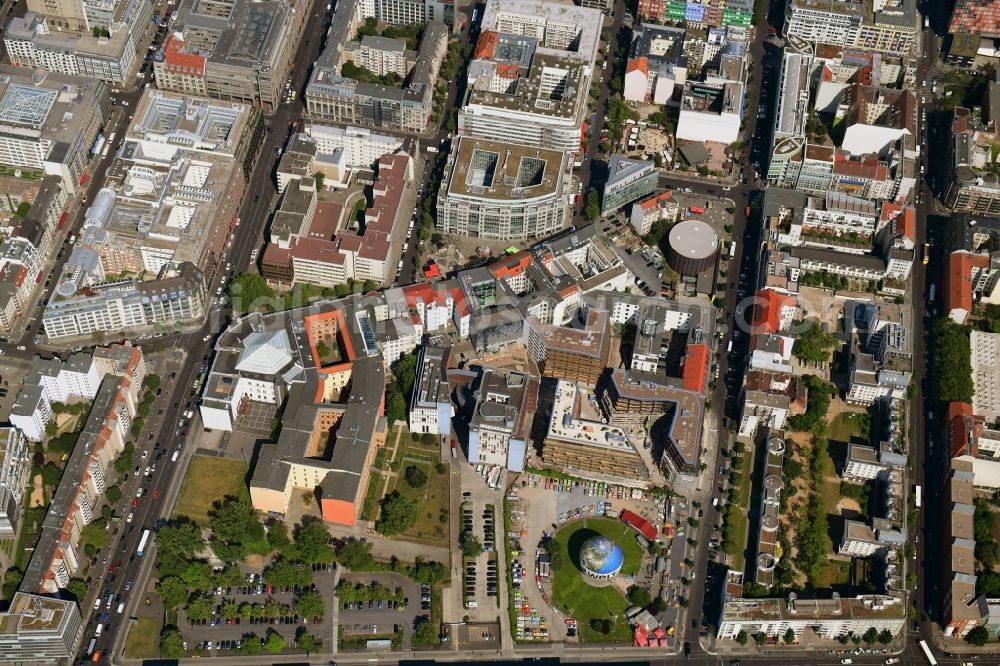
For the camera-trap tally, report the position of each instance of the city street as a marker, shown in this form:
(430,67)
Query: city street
(166,480)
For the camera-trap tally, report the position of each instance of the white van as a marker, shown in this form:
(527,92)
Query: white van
(100,628)
(173,458)
(97,603)
(121,607)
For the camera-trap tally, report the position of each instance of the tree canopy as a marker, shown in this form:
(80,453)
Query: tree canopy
(308,642)
(274,643)
(470,545)
(236,531)
(398,514)
(312,542)
(287,573)
(814,418)
(171,644)
(415,477)
(952,375)
(172,591)
(592,207)
(814,344)
(177,541)
(310,604)
(249,292)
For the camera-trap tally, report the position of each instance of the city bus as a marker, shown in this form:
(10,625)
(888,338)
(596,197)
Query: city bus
(927,253)
(142,543)
(927,653)
(917,495)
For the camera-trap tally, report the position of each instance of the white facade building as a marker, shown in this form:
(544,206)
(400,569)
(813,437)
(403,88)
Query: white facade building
(828,618)
(15,465)
(711,112)
(361,147)
(985,374)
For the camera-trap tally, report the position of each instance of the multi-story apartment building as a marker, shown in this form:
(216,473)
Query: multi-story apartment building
(862,540)
(769,398)
(310,243)
(698,13)
(49,122)
(410,12)
(649,211)
(16,286)
(503,407)
(961,610)
(58,555)
(39,628)
(572,354)
(711,111)
(880,356)
(105,48)
(504,191)
(51,380)
(985,374)
(974,187)
(971,278)
(530,74)
(173,193)
(15,464)
(657,64)
(972,440)
(865,463)
(232,50)
(828,618)
(430,404)
(331,97)
(591,449)
(628,180)
(89,305)
(797,164)
(886,27)
(381,55)
(975,17)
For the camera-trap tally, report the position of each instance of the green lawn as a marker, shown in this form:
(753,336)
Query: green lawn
(143,640)
(849,426)
(737,513)
(209,479)
(370,509)
(432,497)
(576,597)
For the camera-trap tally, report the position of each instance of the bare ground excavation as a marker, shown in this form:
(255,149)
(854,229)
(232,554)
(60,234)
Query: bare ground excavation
(816,491)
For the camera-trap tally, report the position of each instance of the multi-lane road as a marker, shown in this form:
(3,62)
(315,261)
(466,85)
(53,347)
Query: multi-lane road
(128,581)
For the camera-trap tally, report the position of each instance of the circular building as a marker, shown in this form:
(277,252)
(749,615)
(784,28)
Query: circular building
(692,247)
(600,557)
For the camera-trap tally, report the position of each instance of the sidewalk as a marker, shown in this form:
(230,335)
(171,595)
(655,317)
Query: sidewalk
(810,645)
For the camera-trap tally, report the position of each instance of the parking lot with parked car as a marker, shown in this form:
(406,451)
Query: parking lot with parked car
(380,602)
(262,609)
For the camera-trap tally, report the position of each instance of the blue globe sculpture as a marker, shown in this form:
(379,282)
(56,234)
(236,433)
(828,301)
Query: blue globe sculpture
(601,557)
